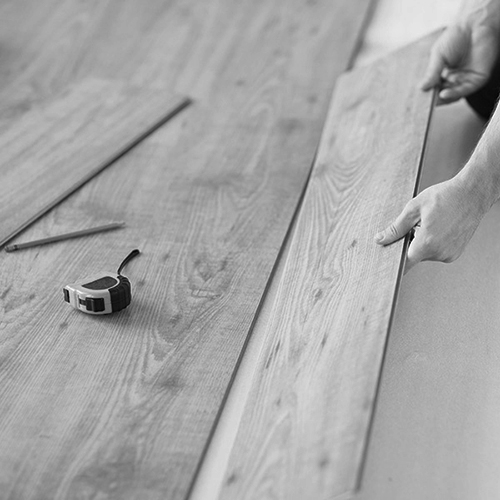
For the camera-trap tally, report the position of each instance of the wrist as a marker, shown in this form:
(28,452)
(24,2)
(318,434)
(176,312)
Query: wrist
(480,179)
(480,15)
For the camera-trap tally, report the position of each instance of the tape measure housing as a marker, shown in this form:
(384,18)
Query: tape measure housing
(105,293)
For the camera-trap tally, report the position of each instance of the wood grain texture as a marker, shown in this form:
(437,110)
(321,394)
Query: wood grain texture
(41,45)
(305,426)
(53,149)
(123,407)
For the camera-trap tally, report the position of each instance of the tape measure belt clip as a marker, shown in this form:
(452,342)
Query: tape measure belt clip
(121,294)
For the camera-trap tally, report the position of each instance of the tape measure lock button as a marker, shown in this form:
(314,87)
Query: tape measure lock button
(101,283)
(104,293)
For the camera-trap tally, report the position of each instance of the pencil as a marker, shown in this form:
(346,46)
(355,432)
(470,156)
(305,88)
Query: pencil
(67,236)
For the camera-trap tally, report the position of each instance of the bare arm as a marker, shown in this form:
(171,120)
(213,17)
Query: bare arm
(482,172)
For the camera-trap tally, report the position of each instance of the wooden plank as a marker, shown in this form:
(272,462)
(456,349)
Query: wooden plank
(305,426)
(53,149)
(123,407)
(436,431)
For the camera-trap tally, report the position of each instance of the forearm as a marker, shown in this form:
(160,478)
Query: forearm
(479,13)
(481,174)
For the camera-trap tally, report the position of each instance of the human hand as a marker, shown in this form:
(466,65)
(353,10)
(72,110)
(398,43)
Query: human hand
(445,216)
(461,60)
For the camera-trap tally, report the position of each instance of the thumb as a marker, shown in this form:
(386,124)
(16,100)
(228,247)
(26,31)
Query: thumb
(400,227)
(416,251)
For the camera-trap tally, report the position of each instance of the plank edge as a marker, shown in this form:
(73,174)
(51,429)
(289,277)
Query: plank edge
(397,287)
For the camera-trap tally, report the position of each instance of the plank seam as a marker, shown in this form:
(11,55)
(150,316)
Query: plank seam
(286,239)
(96,171)
(372,7)
(288,235)
(352,108)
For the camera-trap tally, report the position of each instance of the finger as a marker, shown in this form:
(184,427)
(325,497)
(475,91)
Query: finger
(435,67)
(400,227)
(416,252)
(409,265)
(448,96)
(458,91)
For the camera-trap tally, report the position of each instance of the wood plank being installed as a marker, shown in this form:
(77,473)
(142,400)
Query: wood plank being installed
(53,149)
(436,432)
(123,406)
(305,426)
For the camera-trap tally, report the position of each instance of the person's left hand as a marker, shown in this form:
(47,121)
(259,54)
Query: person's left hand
(461,61)
(445,216)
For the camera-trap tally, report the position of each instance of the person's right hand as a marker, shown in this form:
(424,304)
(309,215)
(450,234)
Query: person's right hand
(444,218)
(461,61)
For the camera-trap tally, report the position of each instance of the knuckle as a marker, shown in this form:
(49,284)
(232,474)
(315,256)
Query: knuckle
(392,230)
(409,207)
(449,258)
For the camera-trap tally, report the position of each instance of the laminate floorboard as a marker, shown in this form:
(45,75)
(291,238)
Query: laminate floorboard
(436,432)
(304,429)
(124,406)
(41,44)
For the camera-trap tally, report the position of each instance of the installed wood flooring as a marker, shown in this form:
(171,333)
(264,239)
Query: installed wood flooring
(124,406)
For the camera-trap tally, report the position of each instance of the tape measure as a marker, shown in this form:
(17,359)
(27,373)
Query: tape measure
(104,293)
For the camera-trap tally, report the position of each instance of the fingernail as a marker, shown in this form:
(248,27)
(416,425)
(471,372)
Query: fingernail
(444,94)
(379,237)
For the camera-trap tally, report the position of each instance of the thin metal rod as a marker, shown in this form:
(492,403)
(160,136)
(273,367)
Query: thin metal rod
(66,236)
